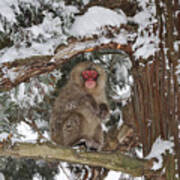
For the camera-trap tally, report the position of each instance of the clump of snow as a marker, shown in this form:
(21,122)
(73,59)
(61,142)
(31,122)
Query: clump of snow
(1,27)
(178,71)
(10,74)
(113,175)
(7,11)
(118,175)
(13,53)
(94,19)
(146,46)
(28,135)
(85,2)
(37,176)
(122,80)
(3,136)
(160,147)
(64,172)
(147,41)
(30,94)
(49,26)
(139,151)
(2,176)
(23,99)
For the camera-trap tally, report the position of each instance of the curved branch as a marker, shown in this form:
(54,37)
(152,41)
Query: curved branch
(114,161)
(13,73)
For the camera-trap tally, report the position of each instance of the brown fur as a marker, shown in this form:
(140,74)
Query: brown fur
(78,112)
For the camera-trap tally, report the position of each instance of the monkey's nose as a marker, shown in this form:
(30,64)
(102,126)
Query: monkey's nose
(90,84)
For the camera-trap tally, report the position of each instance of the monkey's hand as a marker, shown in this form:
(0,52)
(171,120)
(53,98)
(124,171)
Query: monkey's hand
(93,145)
(103,110)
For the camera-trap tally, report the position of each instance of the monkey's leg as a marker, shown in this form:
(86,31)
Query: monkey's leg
(56,124)
(72,128)
(96,142)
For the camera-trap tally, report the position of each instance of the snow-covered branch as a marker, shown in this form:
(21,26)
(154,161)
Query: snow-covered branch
(12,74)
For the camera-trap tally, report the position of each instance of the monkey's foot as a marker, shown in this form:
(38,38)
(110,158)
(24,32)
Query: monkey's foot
(93,145)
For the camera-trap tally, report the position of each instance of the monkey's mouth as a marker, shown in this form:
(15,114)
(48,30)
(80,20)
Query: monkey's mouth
(90,84)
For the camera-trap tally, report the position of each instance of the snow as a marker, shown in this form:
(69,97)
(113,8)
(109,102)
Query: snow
(37,176)
(48,27)
(147,42)
(158,149)
(2,176)
(13,53)
(95,19)
(3,136)
(10,74)
(28,135)
(114,175)
(64,173)
(6,10)
(85,1)
(22,98)
(30,94)
(1,28)
(46,31)
(44,37)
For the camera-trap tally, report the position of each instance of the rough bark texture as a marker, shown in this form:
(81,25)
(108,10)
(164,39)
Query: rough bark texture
(110,160)
(154,110)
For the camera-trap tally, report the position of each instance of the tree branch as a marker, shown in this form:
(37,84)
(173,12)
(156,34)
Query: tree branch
(110,160)
(21,70)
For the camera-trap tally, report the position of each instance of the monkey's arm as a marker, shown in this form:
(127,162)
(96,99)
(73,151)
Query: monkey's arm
(103,110)
(89,101)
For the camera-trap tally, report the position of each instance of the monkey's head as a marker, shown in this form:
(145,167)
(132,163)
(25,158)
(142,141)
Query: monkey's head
(89,76)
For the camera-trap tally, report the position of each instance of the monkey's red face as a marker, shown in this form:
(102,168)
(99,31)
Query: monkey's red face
(90,78)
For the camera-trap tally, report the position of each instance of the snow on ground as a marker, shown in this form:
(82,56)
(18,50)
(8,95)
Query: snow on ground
(158,149)
(94,19)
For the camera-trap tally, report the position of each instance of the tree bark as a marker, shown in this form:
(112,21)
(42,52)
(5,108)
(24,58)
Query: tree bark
(110,160)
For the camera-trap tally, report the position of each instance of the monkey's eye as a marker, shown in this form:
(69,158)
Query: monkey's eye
(90,74)
(94,74)
(85,75)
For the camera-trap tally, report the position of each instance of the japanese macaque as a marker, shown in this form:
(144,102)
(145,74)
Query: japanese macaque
(80,108)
